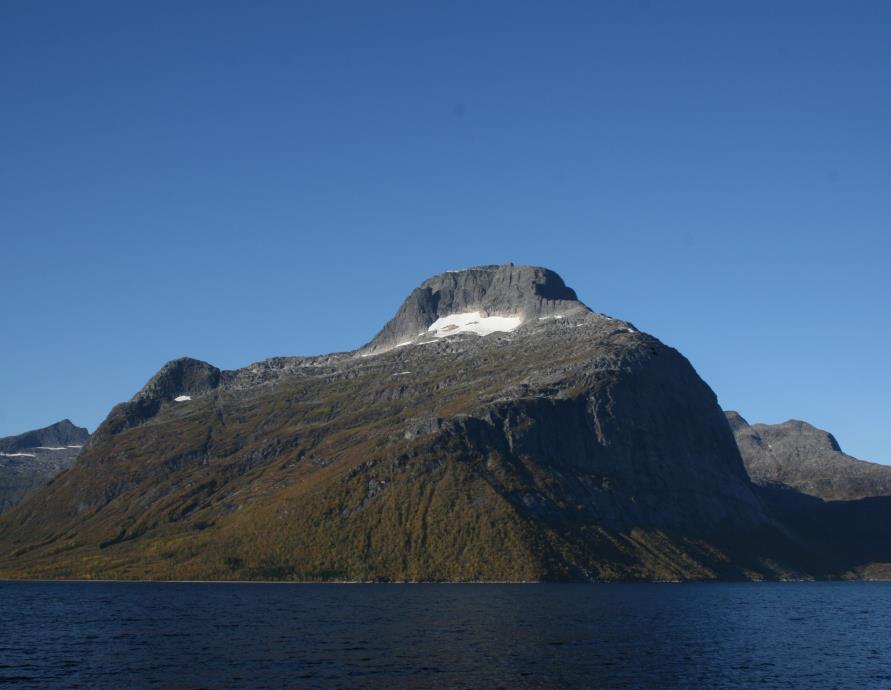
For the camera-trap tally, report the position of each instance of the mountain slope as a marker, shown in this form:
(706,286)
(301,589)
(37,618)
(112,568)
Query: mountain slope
(30,460)
(495,429)
(800,456)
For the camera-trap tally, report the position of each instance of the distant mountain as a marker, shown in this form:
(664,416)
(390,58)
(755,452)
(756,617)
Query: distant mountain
(809,460)
(28,461)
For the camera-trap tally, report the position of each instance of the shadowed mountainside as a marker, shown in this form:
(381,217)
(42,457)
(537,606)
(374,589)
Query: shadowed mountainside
(28,461)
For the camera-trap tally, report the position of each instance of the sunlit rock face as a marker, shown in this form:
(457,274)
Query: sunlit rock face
(807,459)
(499,298)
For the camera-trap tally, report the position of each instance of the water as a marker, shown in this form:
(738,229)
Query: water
(729,635)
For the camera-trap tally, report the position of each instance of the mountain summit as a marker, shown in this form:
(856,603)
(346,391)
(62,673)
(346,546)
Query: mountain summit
(480,300)
(60,434)
(495,429)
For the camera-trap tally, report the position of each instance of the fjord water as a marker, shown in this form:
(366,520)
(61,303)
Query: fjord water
(185,635)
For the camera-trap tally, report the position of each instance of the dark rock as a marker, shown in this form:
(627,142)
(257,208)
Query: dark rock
(30,460)
(62,433)
(185,377)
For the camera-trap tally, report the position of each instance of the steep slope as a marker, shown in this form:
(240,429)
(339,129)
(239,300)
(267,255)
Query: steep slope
(800,456)
(28,461)
(552,442)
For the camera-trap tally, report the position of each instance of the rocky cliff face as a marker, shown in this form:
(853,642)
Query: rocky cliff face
(809,460)
(495,429)
(28,461)
(526,293)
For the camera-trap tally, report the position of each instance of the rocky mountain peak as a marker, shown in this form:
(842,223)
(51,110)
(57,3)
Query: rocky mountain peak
(177,381)
(29,460)
(180,377)
(60,434)
(736,420)
(801,456)
(482,300)
(807,435)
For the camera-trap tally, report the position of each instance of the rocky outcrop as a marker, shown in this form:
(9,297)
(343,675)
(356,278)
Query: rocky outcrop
(527,292)
(800,456)
(178,379)
(28,461)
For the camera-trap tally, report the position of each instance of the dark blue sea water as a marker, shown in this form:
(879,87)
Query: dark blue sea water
(135,635)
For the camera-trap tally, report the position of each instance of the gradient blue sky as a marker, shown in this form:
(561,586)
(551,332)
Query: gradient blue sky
(234,181)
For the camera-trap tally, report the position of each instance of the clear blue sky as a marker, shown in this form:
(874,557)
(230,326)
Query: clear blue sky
(234,181)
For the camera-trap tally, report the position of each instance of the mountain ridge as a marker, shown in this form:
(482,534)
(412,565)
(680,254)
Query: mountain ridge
(798,455)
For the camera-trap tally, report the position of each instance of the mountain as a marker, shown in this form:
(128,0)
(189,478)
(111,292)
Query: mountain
(28,461)
(809,460)
(495,429)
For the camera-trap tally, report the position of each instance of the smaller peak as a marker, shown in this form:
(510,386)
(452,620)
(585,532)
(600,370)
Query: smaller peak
(736,420)
(808,433)
(60,433)
(180,376)
(820,436)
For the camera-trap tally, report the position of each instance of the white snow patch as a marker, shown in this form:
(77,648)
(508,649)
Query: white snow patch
(472,322)
(182,398)
(631,330)
(50,447)
(553,316)
(404,343)
(80,446)
(18,455)
(401,373)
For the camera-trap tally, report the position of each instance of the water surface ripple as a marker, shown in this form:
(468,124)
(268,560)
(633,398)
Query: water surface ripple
(178,635)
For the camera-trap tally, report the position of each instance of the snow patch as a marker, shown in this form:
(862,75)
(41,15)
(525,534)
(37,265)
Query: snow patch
(80,446)
(553,316)
(404,343)
(182,398)
(50,447)
(18,455)
(472,322)
(401,373)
